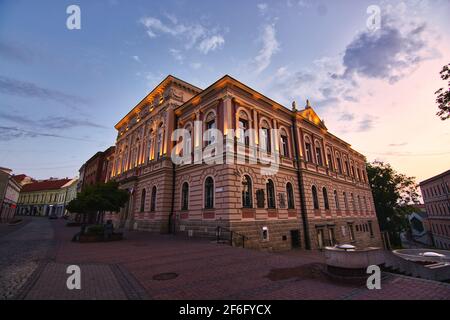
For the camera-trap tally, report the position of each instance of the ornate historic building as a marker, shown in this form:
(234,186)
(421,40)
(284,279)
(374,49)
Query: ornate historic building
(436,196)
(281,179)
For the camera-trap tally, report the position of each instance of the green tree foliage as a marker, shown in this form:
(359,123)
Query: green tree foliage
(443,95)
(394,195)
(99,198)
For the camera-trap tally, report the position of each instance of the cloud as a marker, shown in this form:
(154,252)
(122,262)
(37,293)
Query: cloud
(31,90)
(16,52)
(270,46)
(177,55)
(205,39)
(196,65)
(11,133)
(365,125)
(346,116)
(398,144)
(211,44)
(136,58)
(50,123)
(262,7)
(387,53)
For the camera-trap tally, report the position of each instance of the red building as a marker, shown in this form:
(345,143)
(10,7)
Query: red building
(436,196)
(95,169)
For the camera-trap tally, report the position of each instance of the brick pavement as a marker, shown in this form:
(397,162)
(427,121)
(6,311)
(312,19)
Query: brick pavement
(210,271)
(205,270)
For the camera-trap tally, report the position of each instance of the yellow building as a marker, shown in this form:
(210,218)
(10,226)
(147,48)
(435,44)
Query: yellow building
(44,198)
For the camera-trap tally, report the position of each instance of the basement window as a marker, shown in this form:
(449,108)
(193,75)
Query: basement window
(265,233)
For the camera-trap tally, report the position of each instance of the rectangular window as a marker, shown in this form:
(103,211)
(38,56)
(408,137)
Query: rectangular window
(284,146)
(308,152)
(319,156)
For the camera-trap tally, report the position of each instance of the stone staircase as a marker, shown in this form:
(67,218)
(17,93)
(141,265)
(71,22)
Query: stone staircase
(439,271)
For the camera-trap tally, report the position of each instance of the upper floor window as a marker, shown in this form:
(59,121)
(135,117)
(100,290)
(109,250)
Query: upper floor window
(284,144)
(330,160)
(159,150)
(347,169)
(210,125)
(270,190)
(339,163)
(247,192)
(308,150)
(209,193)
(185,196)
(243,129)
(265,137)
(319,155)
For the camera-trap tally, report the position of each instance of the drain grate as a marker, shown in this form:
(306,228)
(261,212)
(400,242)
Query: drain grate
(165,276)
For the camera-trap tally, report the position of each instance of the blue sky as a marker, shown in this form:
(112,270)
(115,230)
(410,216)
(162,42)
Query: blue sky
(62,91)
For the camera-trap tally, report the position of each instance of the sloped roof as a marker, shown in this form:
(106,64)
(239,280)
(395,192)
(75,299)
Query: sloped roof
(45,185)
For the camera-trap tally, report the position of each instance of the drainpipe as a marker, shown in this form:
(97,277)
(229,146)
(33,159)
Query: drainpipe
(301,187)
(171,220)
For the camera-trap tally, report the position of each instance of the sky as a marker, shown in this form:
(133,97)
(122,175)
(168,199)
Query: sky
(62,90)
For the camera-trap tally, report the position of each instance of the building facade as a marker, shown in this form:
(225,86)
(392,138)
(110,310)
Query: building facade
(95,170)
(436,196)
(70,191)
(274,175)
(9,195)
(43,198)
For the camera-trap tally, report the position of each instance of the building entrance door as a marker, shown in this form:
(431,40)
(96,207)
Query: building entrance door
(295,239)
(320,238)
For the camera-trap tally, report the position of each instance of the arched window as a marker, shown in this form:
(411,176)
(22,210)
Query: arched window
(308,149)
(265,141)
(185,196)
(243,129)
(325,198)
(339,163)
(336,200)
(210,125)
(284,141)
(347,169)
(159,150)
(153,200)
(315,197)
(330,160)
(270,189)
(290,195)
(247,192)
(142,200)
(209,193)
(319,154)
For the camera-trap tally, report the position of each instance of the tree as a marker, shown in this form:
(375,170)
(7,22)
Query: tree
(443,95)
(98,199)
(394,195)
